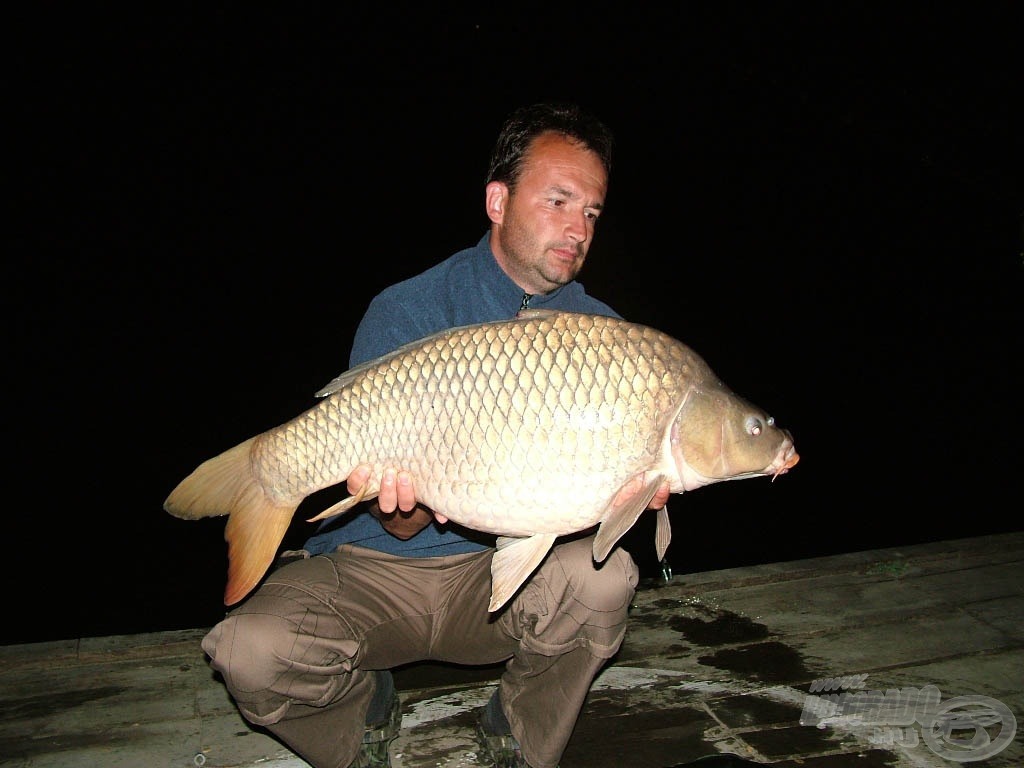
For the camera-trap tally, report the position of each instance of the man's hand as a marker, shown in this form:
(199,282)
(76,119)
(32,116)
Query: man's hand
(396,490)
(396,506)
(660,498)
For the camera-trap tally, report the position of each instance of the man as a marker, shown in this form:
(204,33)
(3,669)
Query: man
(307,655)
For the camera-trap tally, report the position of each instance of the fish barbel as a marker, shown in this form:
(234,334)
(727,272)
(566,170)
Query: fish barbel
(531,428)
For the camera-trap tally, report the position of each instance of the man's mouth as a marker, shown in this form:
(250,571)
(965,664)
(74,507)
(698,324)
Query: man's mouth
(567,254)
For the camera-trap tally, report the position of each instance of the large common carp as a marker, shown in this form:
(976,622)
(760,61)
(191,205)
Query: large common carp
(531,428)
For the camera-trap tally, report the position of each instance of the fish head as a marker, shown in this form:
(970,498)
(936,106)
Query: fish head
(718,435)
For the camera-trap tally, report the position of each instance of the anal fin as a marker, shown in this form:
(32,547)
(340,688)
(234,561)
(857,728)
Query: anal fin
(365,494)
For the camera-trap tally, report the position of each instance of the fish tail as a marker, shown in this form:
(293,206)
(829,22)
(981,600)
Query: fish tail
(254,532)
(256,524)
(214,486)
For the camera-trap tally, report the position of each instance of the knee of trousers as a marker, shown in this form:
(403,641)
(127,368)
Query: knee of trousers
(268,661)
(573,602)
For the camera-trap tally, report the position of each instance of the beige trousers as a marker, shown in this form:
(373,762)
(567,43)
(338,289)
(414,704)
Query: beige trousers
(296,655)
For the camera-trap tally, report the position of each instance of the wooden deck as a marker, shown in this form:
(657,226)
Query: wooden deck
(714,663)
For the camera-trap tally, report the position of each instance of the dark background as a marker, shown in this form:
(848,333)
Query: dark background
(827,205)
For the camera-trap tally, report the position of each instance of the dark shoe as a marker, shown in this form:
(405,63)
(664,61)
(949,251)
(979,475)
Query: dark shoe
(383,722)
(495,737)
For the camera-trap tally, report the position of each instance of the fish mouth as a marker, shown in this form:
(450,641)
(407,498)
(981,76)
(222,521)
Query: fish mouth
(785,461)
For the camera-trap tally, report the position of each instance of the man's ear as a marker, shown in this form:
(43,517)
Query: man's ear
(496,198)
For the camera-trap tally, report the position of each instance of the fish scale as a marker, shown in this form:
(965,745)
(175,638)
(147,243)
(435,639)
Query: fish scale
(532,428)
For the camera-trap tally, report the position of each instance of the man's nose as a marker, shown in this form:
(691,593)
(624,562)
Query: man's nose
(576,229)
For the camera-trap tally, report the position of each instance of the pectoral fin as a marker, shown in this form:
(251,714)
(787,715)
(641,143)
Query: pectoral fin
(513,563)
(662,533)
(631,500)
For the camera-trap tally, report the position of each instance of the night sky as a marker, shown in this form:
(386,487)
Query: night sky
(826,205)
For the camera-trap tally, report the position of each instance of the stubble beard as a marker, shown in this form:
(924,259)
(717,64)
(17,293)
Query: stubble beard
(531,259)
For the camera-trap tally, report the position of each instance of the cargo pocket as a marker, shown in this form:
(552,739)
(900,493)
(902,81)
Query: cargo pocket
(571,603)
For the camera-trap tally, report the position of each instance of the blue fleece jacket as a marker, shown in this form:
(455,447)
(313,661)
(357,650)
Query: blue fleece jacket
(466,288)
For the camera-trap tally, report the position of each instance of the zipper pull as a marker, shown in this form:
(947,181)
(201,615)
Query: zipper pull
(526,301)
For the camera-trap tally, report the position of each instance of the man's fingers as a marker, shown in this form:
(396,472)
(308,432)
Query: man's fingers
(405,494)
(357,478)
(388,497)
(660,498)
(396,488)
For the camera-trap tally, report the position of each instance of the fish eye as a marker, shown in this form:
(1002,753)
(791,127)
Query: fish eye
(755,426)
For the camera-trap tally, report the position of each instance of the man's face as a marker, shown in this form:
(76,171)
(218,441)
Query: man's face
(544,229)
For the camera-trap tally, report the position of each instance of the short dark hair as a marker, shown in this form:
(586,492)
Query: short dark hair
(527,123)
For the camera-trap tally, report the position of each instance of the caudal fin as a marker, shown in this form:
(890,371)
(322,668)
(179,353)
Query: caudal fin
(225,485)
